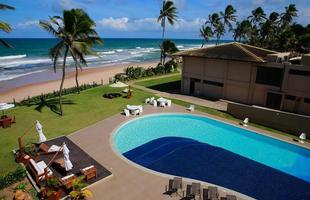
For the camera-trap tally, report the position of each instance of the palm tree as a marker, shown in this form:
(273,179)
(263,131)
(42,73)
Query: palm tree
(228,16)
(242,30)
(168,48)
(287,16)
(257,17)
(5,26)
(219,31)
(76,34)
(168,12)
(79,192)
(206,33)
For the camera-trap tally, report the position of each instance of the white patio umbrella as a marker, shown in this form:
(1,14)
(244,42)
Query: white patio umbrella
(5,106)
(68,163)
(42,137)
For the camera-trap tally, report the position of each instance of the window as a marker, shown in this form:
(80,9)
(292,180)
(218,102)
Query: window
(213,83)
(274,100)
(299,72)
(290,97)
(269,76)
(307,100)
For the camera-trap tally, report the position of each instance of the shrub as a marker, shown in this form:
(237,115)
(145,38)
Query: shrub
(12,177)
(170,66)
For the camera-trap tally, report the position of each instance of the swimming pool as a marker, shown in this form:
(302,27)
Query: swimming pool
(203,146)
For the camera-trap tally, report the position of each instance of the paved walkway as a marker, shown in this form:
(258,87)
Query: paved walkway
(218,105)
(129,181)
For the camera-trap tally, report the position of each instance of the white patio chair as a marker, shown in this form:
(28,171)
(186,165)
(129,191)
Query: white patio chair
(154,103)
(162,104)
(191,108)
(135,112)
(126,112)
(169,102)
(147,101)
(245,122)
(302,137)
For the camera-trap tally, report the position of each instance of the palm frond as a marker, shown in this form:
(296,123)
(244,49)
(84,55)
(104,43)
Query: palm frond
(5,27)
(4,43)
(6,7)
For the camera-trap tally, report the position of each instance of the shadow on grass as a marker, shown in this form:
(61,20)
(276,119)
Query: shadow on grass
(174,86)
(52,104)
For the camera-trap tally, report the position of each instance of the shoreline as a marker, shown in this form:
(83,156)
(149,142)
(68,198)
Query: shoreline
(87,75)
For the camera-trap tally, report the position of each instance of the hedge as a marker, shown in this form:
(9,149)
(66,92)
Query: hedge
(132,73)
(12,177)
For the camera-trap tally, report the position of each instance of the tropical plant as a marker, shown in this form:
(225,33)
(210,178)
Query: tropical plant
(287,16)
(229,16)
(168,48)
(76,34)
(79,192)
(242,31)
(5,26)
(219,31)
(168,13)
(206,33)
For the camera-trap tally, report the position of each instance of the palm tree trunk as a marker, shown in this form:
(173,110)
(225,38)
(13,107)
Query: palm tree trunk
(163,37)
(76,77)
(62,80)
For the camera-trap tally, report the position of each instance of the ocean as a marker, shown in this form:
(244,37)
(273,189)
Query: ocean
(30,56)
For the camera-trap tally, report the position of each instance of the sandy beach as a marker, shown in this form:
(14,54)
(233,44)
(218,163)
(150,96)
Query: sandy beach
(98,74)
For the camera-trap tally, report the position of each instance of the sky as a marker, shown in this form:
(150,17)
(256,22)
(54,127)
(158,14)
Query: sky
(135,18)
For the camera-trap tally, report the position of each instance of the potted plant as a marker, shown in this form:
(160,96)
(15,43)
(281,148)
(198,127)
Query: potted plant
(53,190)
(79,192)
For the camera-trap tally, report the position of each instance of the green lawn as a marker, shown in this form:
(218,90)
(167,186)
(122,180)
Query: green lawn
(159,81)
(87,108)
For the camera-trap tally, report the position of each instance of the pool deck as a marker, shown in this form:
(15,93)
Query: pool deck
(131,181)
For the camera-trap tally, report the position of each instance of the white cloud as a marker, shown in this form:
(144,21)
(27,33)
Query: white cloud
(150,24)
(60,5)
(114,23)
(28,24)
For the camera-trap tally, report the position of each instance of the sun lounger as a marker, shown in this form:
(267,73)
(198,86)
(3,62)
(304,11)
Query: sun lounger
(154,102)
(67,181)
(37,169)
(169,102)
(213,193)
(162,104)
(177,183)
(89,172)
(196,189)
(147,101)
(126,112)
(45,149)
(188,193)
(245,122)
(205,194)
(191,108)
(170,189)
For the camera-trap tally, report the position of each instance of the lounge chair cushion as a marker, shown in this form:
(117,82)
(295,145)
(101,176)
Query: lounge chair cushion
(87,168)
(67,177)
(54,148)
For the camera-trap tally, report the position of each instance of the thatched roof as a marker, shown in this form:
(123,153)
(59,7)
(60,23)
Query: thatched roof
(230,51)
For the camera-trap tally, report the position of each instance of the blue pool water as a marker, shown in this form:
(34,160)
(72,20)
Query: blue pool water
(217,152)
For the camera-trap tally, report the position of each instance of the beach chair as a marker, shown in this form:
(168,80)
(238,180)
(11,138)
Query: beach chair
(89,172)
(162,104)
(205,194)
(196,189)
(154,103)
(37,170)
(213,193)
(147,101)
(135,112)
(126,112)
(169,190)
(141,109)
(188,193)
(45,149)
(245,122)
(67,181)
(169,102)
(302,137)
(177,183)
(191,108)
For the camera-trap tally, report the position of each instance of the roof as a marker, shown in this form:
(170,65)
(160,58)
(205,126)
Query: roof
(230,51)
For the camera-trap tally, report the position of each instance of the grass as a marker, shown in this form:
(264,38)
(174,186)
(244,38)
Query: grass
(87,108)
(159,81)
